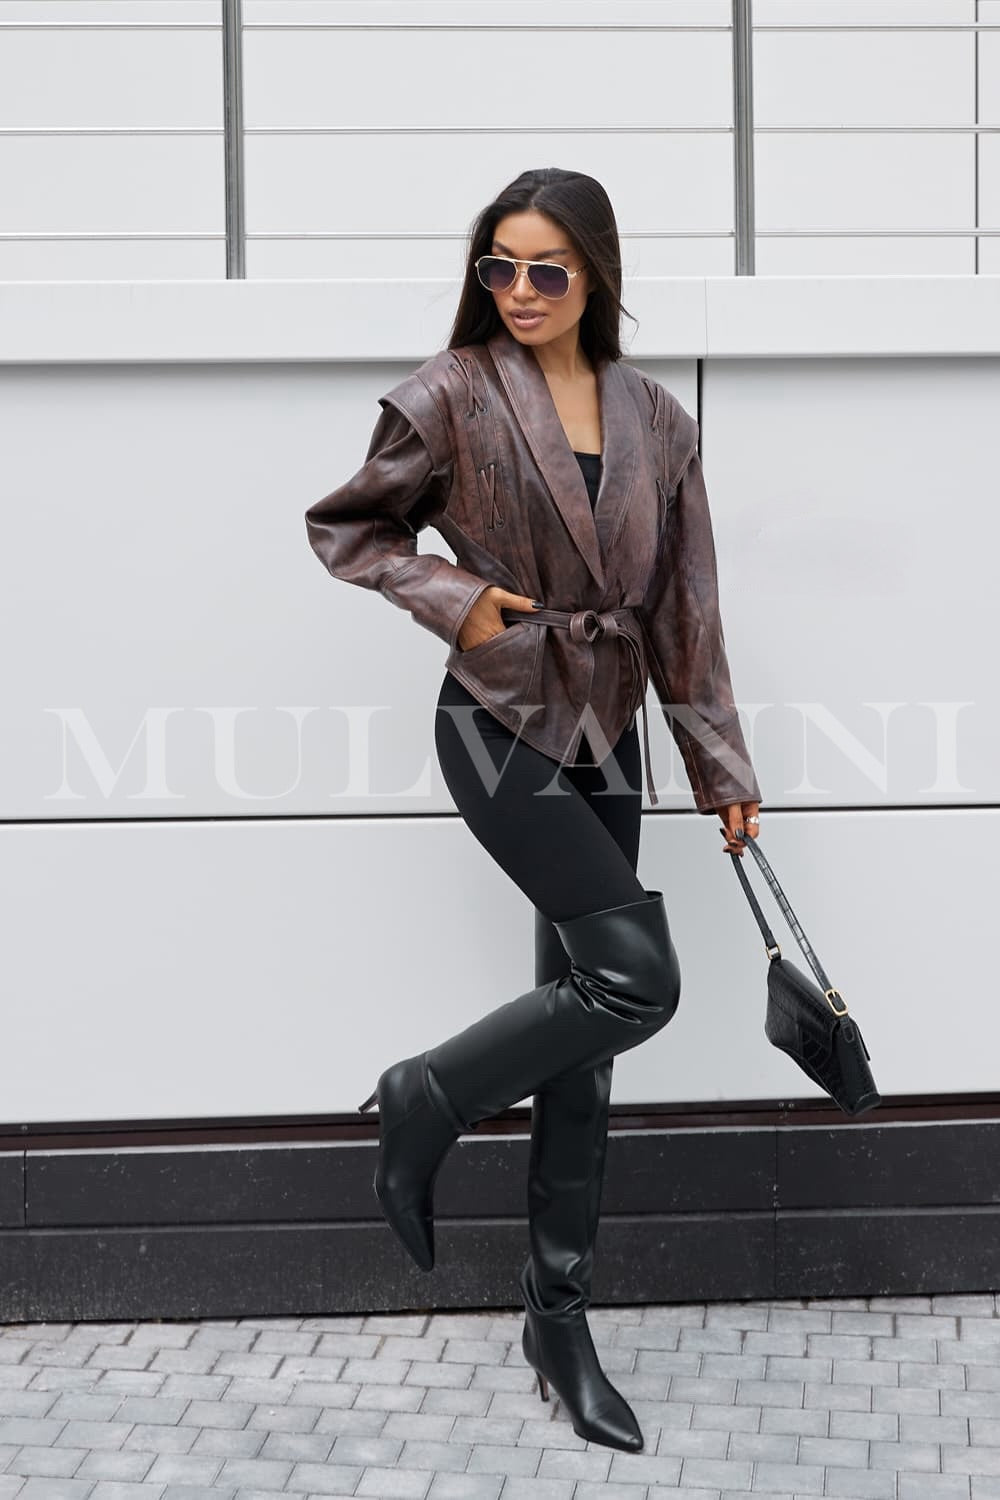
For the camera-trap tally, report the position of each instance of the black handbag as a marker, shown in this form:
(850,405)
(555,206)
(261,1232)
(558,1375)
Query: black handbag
(809,1023)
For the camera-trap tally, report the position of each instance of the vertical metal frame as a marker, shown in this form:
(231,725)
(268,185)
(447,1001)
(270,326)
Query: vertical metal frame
(743,136)
(232,78)
(977,160)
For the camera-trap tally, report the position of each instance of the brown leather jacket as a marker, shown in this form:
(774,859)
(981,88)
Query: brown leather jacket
(471,442)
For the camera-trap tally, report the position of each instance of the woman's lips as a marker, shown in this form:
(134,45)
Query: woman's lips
(527,320)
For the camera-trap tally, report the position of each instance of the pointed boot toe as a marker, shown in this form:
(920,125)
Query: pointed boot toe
(416,1128)
(560,1350)
(620,1429)
(612,1423)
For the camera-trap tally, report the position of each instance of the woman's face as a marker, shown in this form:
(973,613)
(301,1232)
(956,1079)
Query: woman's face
(534,236)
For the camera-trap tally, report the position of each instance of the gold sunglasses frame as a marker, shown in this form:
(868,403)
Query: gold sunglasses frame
(526,263)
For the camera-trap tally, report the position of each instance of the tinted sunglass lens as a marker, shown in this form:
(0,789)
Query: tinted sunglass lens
(549,280)
(495,274)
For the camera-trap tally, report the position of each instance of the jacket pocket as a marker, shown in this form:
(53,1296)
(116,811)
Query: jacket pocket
(490,640)
(502,669)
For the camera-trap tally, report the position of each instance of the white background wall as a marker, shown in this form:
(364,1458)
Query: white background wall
(191,931)
(366,120)
(194,929)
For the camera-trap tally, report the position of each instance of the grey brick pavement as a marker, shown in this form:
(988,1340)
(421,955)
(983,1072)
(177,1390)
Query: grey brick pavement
(884,1398)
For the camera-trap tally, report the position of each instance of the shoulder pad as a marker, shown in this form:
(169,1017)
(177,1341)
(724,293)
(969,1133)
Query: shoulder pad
(418,397)
(682,440)
(678,428)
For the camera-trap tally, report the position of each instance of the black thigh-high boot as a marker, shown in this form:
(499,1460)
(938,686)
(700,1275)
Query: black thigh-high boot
(623,986)
(569,1132)
(569,1129)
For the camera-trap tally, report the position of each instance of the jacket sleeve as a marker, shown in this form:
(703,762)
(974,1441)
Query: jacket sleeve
(365,532)
(681,619)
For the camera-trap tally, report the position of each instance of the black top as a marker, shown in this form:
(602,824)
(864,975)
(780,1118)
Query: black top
(590,464)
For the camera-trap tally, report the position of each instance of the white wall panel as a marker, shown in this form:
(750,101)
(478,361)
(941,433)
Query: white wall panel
(864,316)
(302,183)
(231,968)
(989,145)
(275,322)
(989,58)
(528,15)
(989,181)
(855,507)
(118,13)
(103,184)
(418,78)
(360,257)
(864,181)
(812,77)
(79,78)
(901,13)
(865,255)
(70,258)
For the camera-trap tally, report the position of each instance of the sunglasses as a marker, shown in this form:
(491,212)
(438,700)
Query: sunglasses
(498,273)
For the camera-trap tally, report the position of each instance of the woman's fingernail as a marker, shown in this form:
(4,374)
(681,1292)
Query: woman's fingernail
(537,604)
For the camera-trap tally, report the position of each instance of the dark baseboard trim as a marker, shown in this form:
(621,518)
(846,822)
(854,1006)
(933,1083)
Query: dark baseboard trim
(250,1226)
(197,1130)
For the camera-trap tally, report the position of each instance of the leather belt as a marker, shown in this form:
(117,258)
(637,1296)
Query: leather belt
(593,625)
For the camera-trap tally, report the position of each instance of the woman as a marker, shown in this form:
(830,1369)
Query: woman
(569,487)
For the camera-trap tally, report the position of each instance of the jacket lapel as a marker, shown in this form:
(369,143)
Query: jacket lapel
(535,412)
(622,437)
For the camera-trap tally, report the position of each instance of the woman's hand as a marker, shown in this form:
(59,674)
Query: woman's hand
(484,619)
(735,816)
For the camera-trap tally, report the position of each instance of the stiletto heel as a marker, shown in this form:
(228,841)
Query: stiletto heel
(543,1385)
(368,1102)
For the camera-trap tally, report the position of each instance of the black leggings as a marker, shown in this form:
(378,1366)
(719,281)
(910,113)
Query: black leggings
(568,836)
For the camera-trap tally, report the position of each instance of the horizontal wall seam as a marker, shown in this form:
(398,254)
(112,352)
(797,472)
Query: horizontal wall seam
(111,130)
(110,25)
(973,231)
(438,26)
(115,234)
(882,1211)
(904,28)
(499,129)
(399,817)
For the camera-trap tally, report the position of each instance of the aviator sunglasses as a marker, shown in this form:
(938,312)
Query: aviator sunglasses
(549,279)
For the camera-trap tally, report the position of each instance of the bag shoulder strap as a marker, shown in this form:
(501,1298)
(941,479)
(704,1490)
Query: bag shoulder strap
(773,951)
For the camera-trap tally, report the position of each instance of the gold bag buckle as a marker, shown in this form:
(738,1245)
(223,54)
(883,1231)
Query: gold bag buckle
(829,1000)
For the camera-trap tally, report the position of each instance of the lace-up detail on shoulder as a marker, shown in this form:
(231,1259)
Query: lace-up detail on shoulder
(483,438)
(655,393)
(468,368)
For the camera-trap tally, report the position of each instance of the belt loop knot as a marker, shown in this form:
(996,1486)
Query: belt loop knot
(587,625)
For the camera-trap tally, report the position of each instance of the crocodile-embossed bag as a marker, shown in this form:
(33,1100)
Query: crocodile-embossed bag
(810,1023)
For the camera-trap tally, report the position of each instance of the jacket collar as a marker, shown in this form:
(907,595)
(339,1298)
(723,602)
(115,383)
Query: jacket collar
(534,409)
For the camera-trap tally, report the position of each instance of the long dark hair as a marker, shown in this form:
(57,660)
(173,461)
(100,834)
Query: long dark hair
(581,207)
